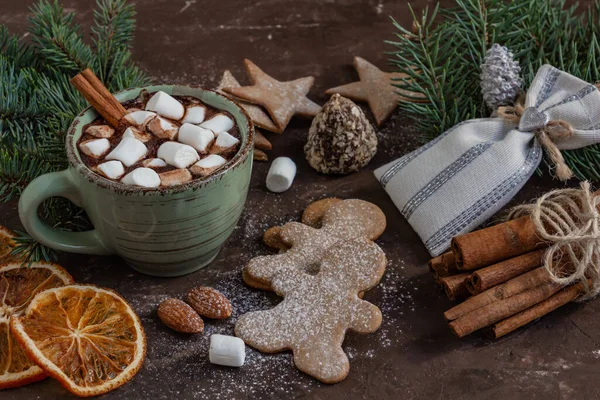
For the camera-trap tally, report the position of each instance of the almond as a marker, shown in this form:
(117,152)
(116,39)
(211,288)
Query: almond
(209,302)
(180,317)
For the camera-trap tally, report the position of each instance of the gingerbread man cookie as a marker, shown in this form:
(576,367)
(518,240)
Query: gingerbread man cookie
(317,310)
(344,220)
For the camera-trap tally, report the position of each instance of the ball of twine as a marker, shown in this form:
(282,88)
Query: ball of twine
(568,219)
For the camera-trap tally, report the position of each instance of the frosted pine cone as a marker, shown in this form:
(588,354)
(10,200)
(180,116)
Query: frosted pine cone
(500,81)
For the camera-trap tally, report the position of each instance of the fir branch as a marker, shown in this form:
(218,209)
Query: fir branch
(29,250)
(443,59)
(58,38)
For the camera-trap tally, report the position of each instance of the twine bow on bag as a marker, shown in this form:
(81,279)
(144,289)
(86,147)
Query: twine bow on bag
(547,132)
(457,181)
(569,220)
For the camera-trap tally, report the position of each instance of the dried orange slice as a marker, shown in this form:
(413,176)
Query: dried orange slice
(87,338)
(6,243)
(18,286)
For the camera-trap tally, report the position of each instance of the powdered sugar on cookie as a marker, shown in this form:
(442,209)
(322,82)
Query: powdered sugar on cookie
(318,310)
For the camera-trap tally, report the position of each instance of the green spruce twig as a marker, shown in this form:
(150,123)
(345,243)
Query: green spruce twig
(443,51)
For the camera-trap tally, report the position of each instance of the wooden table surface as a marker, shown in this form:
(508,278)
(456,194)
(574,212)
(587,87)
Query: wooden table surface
(413,355)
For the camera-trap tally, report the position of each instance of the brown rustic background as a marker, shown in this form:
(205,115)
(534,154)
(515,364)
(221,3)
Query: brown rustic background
(413,355)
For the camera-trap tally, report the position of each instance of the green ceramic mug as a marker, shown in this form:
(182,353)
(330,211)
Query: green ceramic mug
(161,232)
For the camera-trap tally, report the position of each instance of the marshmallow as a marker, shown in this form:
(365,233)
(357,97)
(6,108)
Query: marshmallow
(194,115)
(94,147)
(139,118)
(199,138)
(154,163)
(208,165)
(144,177)
(281,175)
(175,177)
(163,129)
(129,151)
(165,105)
(218,123)
(133,132)
(177,154)
(112,169)
(224,143)
(227,350)
(100,131)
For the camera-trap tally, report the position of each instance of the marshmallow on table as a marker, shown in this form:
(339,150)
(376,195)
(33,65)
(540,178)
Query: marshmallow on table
(165,105)
(154,163)
(133,132)
(94,147)
(177,154)
(224,143)
(144,177)
(163,129)
(194,114)
(218,123)
(175,177)
(227,350)
(281,174)
(128,151)
(139,118)
(195,136)
(112,169)
(208,165)
(100,131)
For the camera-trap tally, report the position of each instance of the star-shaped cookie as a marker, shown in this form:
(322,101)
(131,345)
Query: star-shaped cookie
(374,87)
(257,115)
(281,99)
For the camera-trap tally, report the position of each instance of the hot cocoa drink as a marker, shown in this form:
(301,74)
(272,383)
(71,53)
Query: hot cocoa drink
(162,141)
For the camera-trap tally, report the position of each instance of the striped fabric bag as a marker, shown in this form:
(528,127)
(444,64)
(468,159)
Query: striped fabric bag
(456,182)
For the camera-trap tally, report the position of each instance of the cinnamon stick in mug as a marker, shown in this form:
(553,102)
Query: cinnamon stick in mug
(488,277)
(496,243)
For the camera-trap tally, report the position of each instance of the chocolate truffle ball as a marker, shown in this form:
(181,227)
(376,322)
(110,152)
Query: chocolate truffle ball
(341,139)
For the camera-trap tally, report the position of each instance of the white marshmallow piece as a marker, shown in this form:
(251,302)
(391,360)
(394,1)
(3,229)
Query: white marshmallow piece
(165,105)
(112,169)
(139,118)
(163,129)
(224,143)
(175,177)
(128,151)
(208,165)
(199,138)
(94,147)
(218,123)
(144,177)
(100,131)
(154,163)
(177,154)
(281,174)
(227,350)
(133,132)
(194,115)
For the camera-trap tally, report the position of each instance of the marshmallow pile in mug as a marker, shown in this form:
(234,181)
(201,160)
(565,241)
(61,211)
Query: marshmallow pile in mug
(188,146)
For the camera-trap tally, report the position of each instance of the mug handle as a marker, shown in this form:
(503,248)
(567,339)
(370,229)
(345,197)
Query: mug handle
(43,188)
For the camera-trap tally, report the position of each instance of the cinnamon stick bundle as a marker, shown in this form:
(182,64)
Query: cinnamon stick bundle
(513,287)
(443,265)
(502,309)
(546,306)
(496,243)
(488,277)
(455,286)
(94,91)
